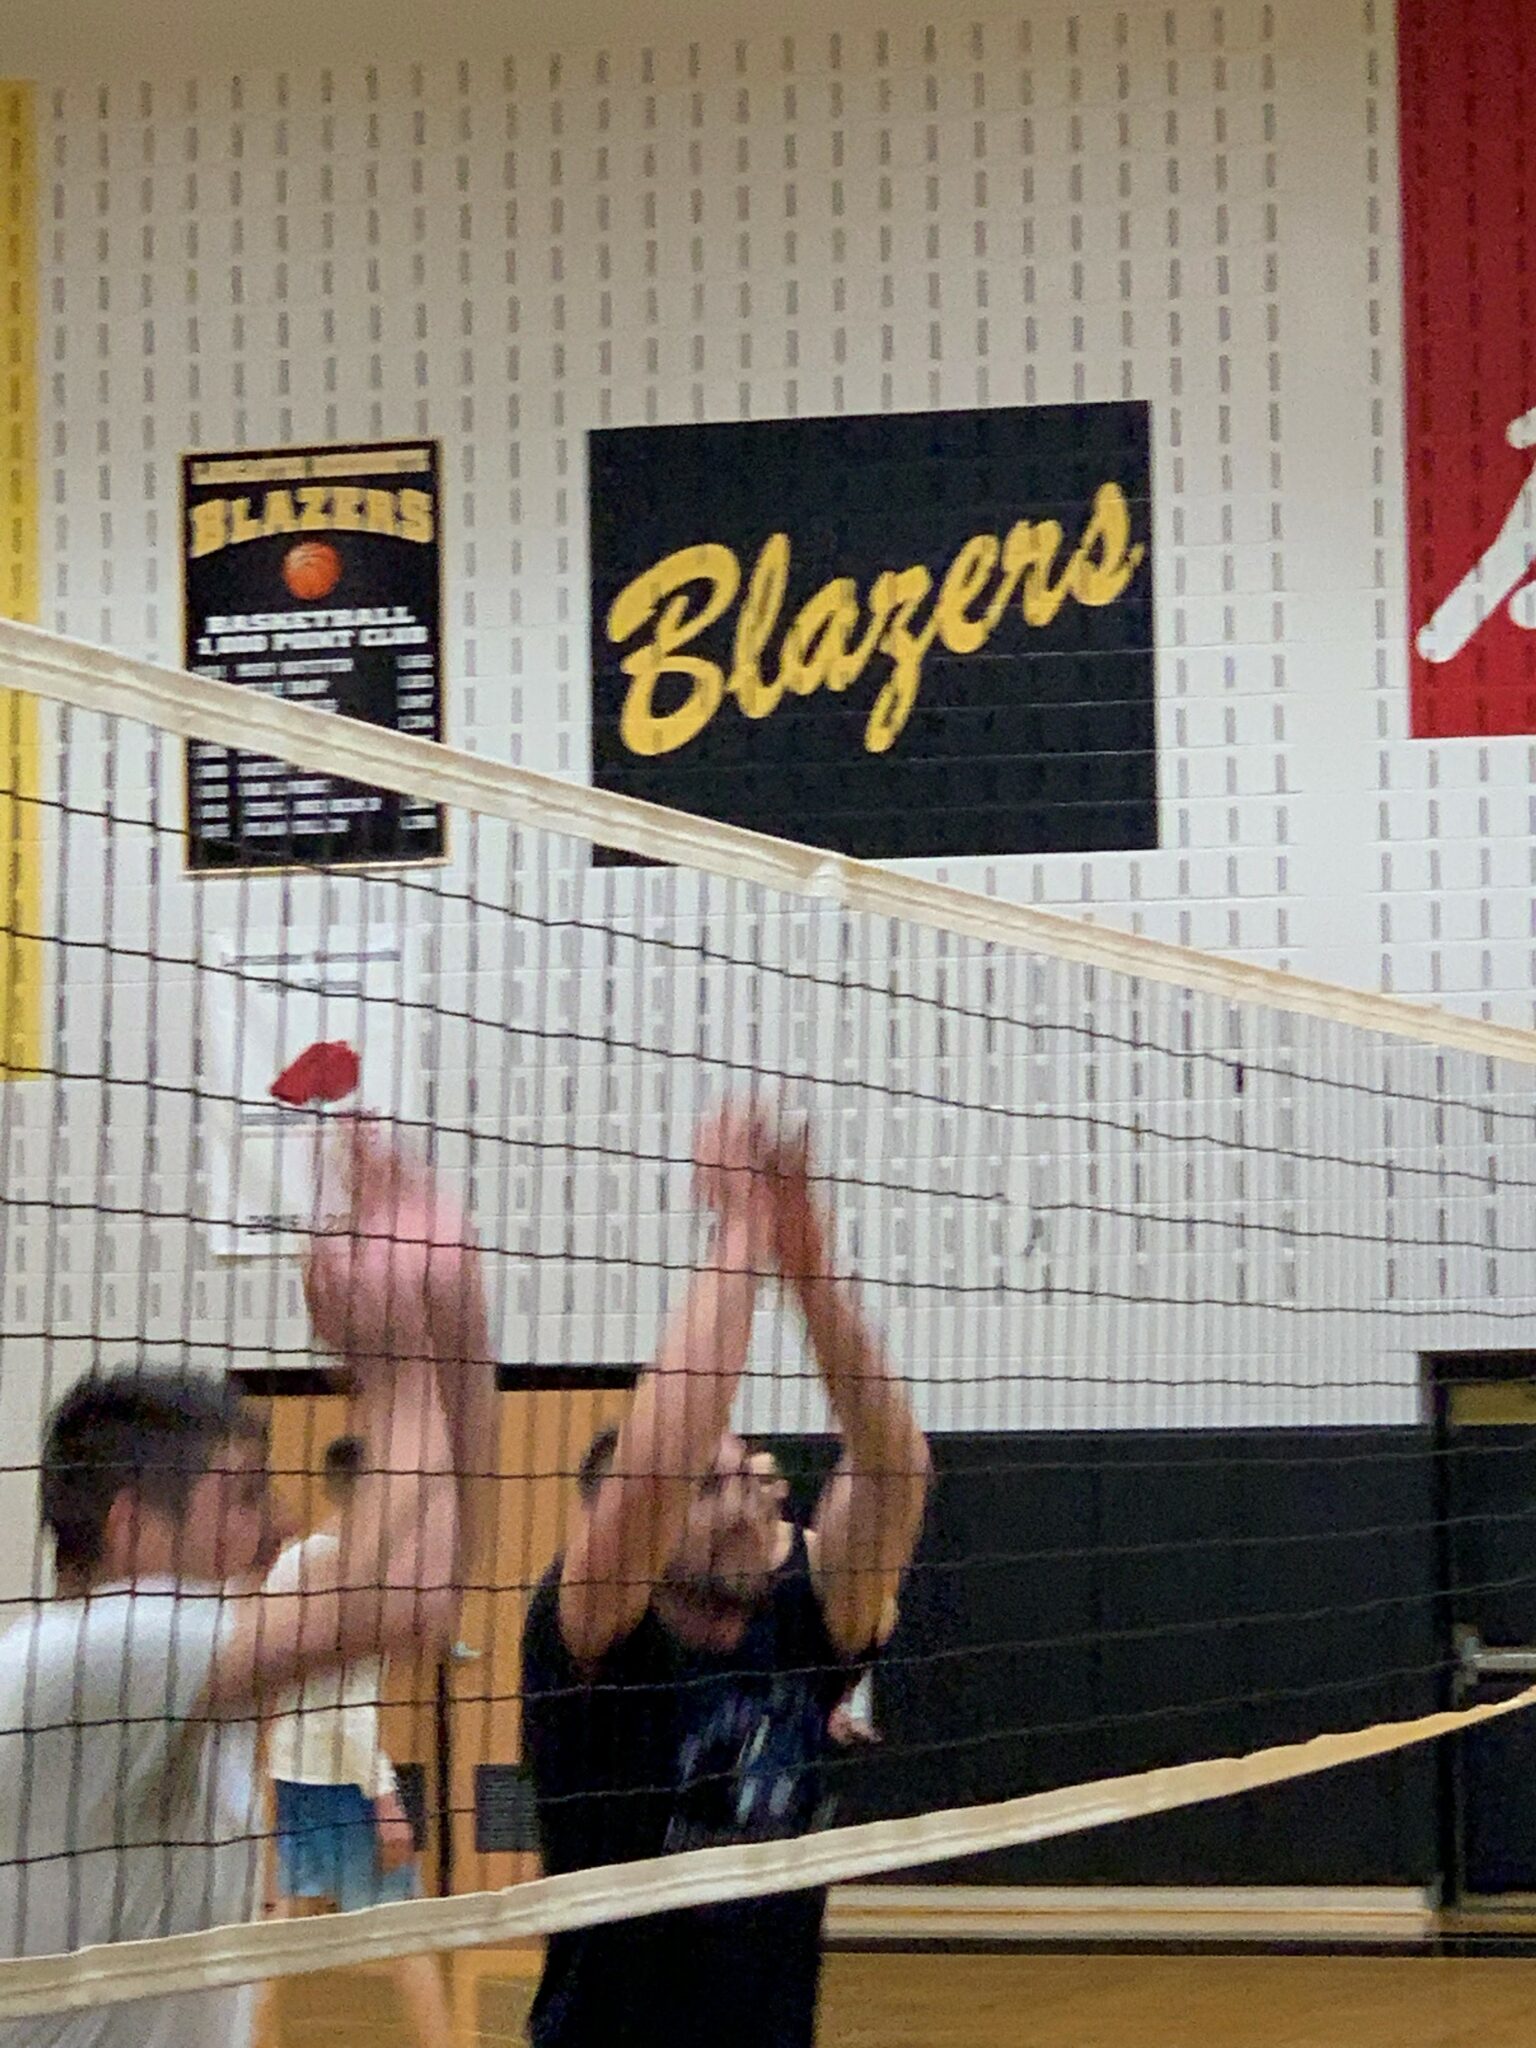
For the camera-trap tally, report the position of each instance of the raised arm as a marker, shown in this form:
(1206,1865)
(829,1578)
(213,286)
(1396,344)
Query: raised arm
(467,1380)
(624,1537)
(869,1515)
(392,1294)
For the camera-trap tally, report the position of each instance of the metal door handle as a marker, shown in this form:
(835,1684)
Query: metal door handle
(1477,1660)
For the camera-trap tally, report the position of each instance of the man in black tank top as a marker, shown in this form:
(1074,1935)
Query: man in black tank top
(678,1672)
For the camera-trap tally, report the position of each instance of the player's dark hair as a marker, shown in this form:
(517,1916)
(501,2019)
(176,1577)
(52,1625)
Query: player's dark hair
(345,1457)
(597,1463)
(149,1433)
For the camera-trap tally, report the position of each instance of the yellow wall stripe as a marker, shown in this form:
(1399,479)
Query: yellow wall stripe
(21,814)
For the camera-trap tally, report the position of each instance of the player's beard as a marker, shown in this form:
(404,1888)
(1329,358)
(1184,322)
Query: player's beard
(723,1592)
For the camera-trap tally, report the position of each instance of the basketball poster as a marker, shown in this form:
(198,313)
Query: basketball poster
(895,635)
(313,574)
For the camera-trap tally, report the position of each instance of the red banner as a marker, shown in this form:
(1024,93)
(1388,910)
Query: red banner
(1467,105)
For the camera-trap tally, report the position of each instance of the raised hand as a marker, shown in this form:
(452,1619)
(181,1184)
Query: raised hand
(396,1276)
(802,1229)
(733,1177)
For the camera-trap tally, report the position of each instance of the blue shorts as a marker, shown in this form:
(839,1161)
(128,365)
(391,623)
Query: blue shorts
(328,1848)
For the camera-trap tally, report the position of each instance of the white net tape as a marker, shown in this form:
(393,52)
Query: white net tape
(192,707)
(698,1877)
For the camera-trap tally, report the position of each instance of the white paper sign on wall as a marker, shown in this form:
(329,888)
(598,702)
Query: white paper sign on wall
(267,1171)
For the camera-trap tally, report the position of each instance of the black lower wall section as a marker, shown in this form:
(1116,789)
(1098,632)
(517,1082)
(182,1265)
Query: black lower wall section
(1084,1606)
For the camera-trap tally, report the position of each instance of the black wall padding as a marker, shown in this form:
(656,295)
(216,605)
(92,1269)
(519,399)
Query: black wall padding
(1295,1594)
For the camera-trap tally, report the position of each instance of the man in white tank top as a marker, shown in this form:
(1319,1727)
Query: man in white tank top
(343,1837)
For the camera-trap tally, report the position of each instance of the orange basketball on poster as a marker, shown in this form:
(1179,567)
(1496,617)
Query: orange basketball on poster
(311,570)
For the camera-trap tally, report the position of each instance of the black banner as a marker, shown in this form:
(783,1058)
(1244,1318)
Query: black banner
(898,635)
(314,574)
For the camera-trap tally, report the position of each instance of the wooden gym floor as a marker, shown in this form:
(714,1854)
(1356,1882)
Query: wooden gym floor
(1023,2000)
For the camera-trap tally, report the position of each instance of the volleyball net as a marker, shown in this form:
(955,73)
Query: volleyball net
(1157,1245)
